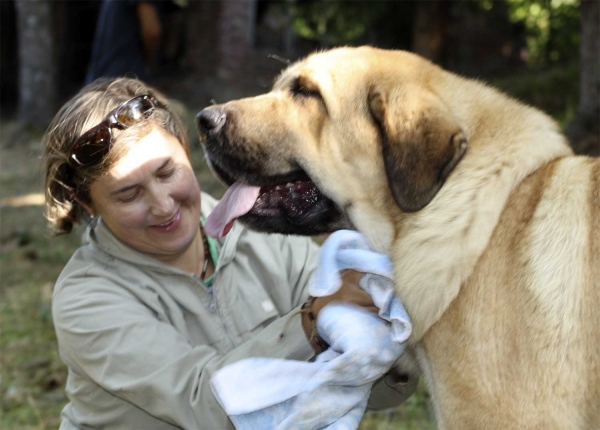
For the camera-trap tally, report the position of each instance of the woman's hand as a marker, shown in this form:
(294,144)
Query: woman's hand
(349,292)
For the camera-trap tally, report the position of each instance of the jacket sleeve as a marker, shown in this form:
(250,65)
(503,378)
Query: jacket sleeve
(108,335)
(301,254)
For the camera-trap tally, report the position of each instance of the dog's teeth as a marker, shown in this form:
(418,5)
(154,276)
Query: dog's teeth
(289,185)
(278,187)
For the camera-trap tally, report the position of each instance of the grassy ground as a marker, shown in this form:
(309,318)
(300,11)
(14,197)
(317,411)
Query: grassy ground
(32,376)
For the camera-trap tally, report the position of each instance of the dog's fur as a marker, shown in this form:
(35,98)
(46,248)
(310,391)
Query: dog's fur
(491,222)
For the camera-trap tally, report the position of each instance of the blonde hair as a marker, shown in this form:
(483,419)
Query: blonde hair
(65,184)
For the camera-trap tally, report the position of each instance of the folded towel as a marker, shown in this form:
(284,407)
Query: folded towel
(347,249)
(331,392)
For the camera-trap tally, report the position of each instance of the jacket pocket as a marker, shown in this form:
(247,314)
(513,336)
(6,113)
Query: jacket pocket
(259,312)
(254,310)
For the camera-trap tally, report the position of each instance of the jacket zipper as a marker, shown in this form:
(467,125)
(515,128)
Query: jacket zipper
(212,305)
(212,308)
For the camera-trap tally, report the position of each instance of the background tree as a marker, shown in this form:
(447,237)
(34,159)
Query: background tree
(37,68)
(430,29)
(584,130)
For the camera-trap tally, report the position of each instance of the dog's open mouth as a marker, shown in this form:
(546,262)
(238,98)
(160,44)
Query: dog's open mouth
(293,198)
(297,202)
(287,203)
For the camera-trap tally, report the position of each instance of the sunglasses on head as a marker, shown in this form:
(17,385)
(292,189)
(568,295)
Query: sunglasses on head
(93,145)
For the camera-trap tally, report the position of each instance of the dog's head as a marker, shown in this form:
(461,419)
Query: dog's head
(340,131)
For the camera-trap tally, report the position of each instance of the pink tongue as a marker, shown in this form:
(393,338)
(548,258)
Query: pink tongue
(237,201)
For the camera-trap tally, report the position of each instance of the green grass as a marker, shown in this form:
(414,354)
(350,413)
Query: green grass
(413,414)
(32,375)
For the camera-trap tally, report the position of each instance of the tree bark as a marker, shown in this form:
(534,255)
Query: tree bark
(430,29)
(37,63)
(584,130)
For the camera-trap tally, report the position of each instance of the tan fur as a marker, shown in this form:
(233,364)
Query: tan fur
(500,270)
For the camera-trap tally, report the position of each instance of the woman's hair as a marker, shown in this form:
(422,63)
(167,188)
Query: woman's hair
(66,184)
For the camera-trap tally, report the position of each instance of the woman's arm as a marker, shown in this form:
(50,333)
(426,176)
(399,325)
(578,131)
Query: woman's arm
(109,336)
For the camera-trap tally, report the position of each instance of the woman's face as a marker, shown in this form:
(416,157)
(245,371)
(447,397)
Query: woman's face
(150,199)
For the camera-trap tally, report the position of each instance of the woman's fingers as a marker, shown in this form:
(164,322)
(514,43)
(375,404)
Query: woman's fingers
(349,292)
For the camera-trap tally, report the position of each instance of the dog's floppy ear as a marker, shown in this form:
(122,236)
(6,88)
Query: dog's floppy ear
(420,147)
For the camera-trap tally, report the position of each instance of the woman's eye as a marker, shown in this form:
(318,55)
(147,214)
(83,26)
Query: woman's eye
(128,198)
(167,174)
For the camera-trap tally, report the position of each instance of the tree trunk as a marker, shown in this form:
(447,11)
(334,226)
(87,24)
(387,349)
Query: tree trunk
(37,64)
(584,130)
(430,29)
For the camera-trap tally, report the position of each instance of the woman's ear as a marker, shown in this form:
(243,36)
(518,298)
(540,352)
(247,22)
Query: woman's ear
(420,147)
(86,206)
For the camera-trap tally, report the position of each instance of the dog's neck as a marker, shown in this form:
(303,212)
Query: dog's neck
(436,249)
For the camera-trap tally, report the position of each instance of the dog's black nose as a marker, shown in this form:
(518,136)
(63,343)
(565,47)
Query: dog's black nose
(209,120)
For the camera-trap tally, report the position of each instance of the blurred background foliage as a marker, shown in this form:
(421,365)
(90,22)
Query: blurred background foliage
(551,27)
(335,23)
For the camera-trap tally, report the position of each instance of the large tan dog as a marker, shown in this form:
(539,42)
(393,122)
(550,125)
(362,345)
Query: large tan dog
(492,224)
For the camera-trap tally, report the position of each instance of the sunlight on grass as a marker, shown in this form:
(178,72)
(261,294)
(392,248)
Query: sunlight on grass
(32,199)
(32,375)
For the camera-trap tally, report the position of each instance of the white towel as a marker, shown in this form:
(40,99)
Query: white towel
(347,249)
(331,392)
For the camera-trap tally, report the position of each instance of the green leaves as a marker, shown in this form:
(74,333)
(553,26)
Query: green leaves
(336,22)
(552,28)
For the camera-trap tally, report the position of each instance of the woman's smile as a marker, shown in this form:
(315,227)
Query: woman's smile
(170,225)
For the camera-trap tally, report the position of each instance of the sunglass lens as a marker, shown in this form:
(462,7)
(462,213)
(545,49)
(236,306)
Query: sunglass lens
(134,111)
(94,148)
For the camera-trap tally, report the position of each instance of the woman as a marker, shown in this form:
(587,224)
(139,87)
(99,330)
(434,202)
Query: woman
(150,307)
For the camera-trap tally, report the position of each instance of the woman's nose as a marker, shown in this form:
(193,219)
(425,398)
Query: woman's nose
(162,202)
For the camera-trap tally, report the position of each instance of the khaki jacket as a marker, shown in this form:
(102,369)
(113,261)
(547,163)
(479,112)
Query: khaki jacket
(141,339)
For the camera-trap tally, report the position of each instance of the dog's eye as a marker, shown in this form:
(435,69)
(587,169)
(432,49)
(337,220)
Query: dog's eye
(300,88)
